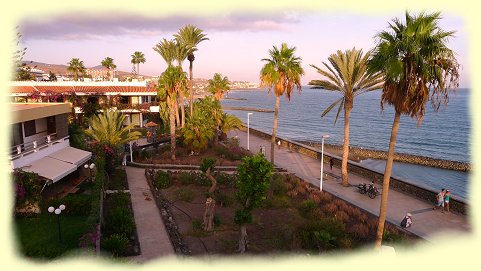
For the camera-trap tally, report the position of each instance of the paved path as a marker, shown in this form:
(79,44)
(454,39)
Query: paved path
(426,222)
(154,239)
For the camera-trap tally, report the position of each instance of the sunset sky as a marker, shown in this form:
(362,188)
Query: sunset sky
(238,40)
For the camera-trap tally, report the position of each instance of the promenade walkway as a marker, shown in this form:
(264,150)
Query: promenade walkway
(153,237)
(427,223)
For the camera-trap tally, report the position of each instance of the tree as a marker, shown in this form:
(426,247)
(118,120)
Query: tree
(77,67)
(180,53)
(282,72)
(137,58)
(52,76)
(191,36)
(229,122)
(218,86)
(107,128)
(348,75)
(108,63)
(418,67)
(255,173)
(171,80)
(207,167)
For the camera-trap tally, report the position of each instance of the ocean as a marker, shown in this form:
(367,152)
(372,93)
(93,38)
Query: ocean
(442,135)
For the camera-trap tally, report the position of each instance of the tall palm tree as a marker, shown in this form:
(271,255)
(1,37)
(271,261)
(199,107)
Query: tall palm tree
(191,36)
(348,75)
(180,52)
(165,48)
(282,72)
(77,67)
(108,63)
(137,58)
(418,67)
(107,128)
(170,82)
(218,86)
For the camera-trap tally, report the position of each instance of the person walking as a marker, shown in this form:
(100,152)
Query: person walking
(447,198)
(407,221)
(279,144)
(440,200)
(331,162)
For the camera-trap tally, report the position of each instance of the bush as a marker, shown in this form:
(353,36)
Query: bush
(306,206)
(118,180)
(329,227)
(184,194)
(119,221)
(278,202)
(196,224)
(278,185)
(75,205)
(359,232)
(119,199)
(394,237)
(223,199)
(187,178)
(207,163)
(144,154)
(162,179)
(115,244)
(226,179)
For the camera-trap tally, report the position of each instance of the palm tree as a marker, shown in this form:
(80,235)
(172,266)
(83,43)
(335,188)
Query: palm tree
(191,36)
(282,72)
(218,86)
(108,63)
(137,58)
(165,48)
(170,82)
(180,53)
(418,67)
(107,128)
(77,67)
(348,75)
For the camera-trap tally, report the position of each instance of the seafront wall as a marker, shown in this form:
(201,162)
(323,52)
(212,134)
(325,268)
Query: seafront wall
(424,193)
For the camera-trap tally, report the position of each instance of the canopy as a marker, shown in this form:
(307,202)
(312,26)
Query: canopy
(150,124)
(50,168)
(72,155)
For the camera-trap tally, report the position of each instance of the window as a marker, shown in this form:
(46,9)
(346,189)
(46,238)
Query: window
(29,128)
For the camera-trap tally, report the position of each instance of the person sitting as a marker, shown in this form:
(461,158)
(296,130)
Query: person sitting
(407,221)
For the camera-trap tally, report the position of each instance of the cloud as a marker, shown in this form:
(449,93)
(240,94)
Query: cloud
(91,27)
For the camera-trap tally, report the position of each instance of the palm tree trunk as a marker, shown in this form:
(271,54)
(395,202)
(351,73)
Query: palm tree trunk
(190,87)
(138,69)
(242,246)
(177,117)
(182,109)
(386,179)
(172,130)
(274,128)
(345,149)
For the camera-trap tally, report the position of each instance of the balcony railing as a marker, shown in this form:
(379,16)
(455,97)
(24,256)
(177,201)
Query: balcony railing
(24,149)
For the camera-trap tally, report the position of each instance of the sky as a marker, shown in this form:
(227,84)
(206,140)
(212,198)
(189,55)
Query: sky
(238,40)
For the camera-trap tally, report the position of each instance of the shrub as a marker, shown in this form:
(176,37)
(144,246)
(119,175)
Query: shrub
(330,208)
(75,205)
(306,206)
(224,199)
(184,194)
(217,221)
(144,154)
(325,197)
(359,232)
(162,179)
(278,202)
(119,220)
(186,178)
(278,185)
(207,163)
(115,244)
(119,199)
(341,216)
(226,179)
(328,227)
(315,197)
(197,224)
(393,236)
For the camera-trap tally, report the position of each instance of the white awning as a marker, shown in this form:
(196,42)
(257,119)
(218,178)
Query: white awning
(50,168)
(72,155)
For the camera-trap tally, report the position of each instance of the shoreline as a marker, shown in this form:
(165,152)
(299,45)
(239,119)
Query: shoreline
(358,154)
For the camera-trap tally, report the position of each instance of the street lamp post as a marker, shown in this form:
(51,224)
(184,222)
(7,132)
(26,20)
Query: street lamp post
(90,167)
(130,141)
(57,211)
(248,129)
(322,159)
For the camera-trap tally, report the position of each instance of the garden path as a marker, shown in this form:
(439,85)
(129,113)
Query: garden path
(153,237)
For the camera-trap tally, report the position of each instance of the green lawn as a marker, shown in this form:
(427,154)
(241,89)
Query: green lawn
(38,236)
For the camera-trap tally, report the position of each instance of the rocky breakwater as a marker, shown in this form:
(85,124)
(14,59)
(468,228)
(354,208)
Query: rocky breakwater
(358,154)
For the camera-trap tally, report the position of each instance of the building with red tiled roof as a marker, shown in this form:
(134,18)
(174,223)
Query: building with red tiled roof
(135,98)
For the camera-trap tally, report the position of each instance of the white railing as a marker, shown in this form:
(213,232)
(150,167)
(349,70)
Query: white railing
(77,83)
(24,149)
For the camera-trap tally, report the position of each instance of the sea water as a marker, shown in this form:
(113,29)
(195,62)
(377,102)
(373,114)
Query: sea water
(441,135)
